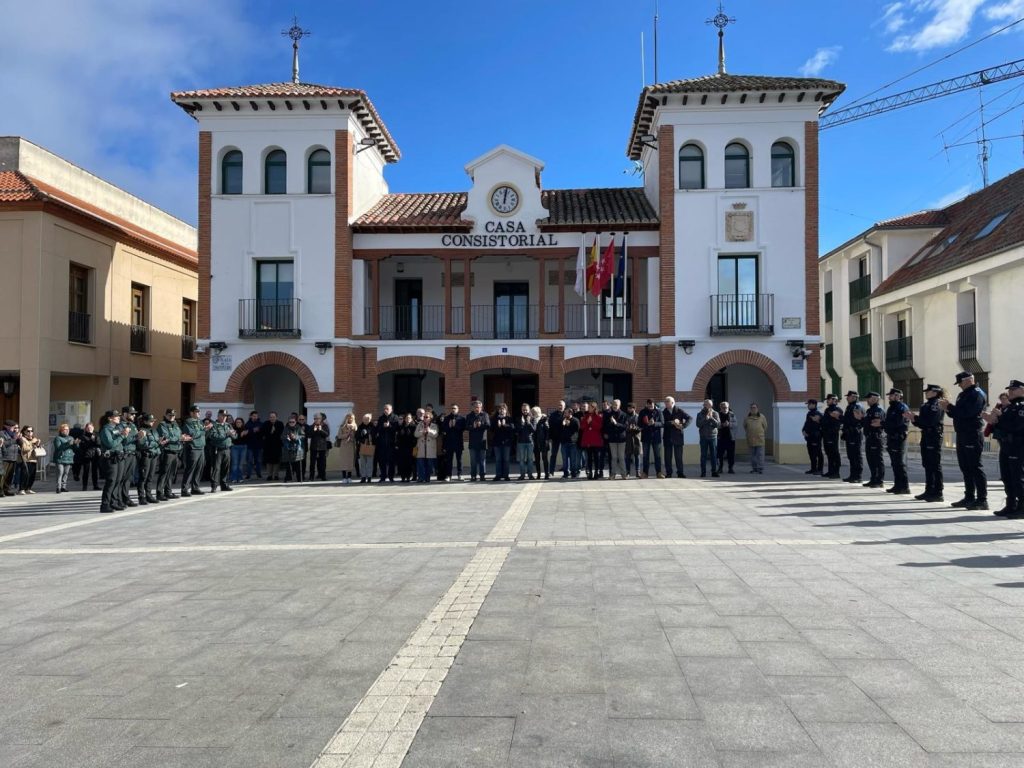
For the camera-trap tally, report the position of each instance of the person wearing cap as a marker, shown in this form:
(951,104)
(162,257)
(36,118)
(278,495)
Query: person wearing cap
(193,438)
(897,418)
(169,436)
(128,464)
(853,418)
(968,423)
(929,420)
(812,436)
(220,437)
(112,447)
(874,443)
(1008,423)
(831,423)
(147,458)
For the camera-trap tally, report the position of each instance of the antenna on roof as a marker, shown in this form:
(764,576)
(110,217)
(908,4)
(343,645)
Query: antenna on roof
(655,41)
(296,33)
(721,20)
(983,143)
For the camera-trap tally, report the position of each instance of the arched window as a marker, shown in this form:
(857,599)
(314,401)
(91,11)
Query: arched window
(231,173)
(318,173)
(275,173)
(783,165)
(691,167)
(737,166)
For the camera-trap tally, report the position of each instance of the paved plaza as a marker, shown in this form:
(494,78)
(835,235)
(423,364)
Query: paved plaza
(778,621)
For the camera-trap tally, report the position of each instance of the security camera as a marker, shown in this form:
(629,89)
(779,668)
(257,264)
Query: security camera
(802,353)
(200,349)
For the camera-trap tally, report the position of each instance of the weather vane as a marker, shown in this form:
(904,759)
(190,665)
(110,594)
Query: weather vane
(296,33)
(721,21)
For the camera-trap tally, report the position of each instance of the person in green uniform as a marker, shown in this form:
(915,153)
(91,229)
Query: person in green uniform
(128,464)
(111,454)
(168,435)
(148,457)
(194,439)
(220,439)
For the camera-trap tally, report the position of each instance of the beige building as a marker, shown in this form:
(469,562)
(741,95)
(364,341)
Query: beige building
(100,296)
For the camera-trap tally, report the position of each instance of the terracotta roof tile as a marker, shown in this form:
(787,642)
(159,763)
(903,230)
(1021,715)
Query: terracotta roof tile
(412,212)
(929,218)
(619,207)
(15,187)
(822,91)
(957,244)
(362,106)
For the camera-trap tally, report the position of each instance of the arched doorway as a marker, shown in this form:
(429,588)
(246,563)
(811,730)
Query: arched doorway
(511,386)
(276,388)
(599,384)
(410,388)
(740,385)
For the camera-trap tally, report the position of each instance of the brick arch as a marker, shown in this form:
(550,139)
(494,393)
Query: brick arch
(767,366)
(505,361)
(239,385)
(585,363)
(410,362)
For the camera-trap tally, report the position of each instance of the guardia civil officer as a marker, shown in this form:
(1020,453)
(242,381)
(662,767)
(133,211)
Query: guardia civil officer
(967,424)
(874,443)
(220,437)
(831,423)
(169,436)
(929,420)
(193,438)
(111,454)
(812,436)
(147,458)
(128,464)
(853,418)
(897,417)
(1009,424)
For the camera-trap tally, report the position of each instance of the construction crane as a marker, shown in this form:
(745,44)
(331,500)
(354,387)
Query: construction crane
(937,90)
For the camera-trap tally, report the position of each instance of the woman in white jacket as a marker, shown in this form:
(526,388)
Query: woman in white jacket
(426,447)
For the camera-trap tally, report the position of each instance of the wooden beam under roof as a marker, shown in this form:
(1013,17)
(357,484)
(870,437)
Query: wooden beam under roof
(288,104)
(725,97)
(235,105)
(305,104)
(218,106)
(704,99)
(255,106)
(743,99)
(272,105)
(323,104)
(197,106)
(801,96)
(763,97)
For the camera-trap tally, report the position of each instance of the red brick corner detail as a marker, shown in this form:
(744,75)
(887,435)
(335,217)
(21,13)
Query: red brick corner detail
(504,361)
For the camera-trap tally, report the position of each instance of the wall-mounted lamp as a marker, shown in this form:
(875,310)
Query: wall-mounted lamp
(322,346)
(365,144)
(649,140)
(217,347)
(9,386)
(687,345)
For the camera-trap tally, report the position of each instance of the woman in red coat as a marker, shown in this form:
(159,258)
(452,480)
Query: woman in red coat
(592,441)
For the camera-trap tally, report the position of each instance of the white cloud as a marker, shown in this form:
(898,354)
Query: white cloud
(822,58)
(952,197)
(893,18)
(1005,11)
(948,21)
(93,86)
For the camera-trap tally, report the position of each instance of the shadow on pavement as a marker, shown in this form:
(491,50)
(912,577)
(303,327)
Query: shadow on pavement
(917,521)
(979,538)
(980,561)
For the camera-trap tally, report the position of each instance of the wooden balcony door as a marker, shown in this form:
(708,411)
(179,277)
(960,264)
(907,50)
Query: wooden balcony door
(408,309)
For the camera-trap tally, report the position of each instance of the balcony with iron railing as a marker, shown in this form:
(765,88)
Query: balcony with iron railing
(860,351)
(743,314)
(899,353)
(860,295)
(506,321)
(140,339)
(967,341)
(79,327)
(188,348)
(269,318)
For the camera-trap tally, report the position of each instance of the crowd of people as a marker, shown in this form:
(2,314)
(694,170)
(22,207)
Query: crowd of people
(575,441)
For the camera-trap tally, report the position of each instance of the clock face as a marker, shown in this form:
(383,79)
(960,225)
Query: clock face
(504,199)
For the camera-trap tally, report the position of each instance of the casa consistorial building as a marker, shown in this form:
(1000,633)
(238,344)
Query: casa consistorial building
(319,289)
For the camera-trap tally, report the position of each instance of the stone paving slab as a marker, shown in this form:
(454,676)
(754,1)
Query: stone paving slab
(779,621)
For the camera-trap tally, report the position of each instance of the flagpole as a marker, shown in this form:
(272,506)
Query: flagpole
(625,279)
(600,309)
(583,245)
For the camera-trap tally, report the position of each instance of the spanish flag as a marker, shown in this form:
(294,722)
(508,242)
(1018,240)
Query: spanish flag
(592,265)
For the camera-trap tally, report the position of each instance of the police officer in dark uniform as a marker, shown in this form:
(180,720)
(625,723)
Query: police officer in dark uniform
(220,438)
(970,442)
(193,438)
(111,453)
(1009,427)
(897,417)
(169,436)
(831,423)
(147,458)
(853,417)
(874,443)
(812,436)
(128,463)
(929,420)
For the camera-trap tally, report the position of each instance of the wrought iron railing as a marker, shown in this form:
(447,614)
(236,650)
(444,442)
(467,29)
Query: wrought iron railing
(188,348)
(751,314)
(860,294)
(269,318)
(139,338)
(967,337)
(860,350)
(899,353)
(78,327)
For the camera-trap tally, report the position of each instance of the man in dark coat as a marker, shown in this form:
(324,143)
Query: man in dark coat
(453,432)
(555,435)
(387,427)
(478,424)
(812,436)
(968,425)
(874,443)
(675,421)
(831,424)
(1009,426)
(929,420)
(272,431)
(853,419)
(897,417)
(651,424)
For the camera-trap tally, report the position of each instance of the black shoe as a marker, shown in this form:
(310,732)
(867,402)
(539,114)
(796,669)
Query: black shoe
(117,508)
(214,489)
(937,497)
(892,489)
(923,496)
(153,500)
(1009,509)
(105,510)
(901,492)
(170,496)
(198,491)
(142,501)
(186,494)
(130,503)
(226,487)
(703,474)
(713,474)
(978,505)
(810,472)
(964,503)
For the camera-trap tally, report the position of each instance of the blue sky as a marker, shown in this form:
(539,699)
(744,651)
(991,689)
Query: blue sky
(558,79)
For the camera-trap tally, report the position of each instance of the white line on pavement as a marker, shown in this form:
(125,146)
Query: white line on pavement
(234,548)
(511,522)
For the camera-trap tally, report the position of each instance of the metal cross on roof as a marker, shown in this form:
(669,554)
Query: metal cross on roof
(296,33)
(721,20)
